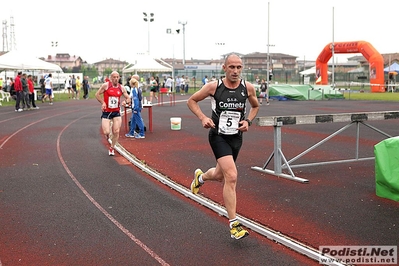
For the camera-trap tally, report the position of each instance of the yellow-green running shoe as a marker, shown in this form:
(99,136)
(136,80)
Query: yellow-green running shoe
(237,231)
(195,185)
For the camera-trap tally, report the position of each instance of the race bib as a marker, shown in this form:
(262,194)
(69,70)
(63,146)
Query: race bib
(113,102)
(228,122)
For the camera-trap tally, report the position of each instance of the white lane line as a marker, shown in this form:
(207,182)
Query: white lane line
(38,121)
(254,226)
(100,208)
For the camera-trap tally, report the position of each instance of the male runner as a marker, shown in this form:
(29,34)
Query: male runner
(110,106)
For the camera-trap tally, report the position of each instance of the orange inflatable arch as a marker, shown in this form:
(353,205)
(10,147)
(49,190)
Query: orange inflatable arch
(375,59)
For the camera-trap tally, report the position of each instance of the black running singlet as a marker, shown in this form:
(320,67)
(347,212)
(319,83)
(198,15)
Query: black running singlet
(228,107)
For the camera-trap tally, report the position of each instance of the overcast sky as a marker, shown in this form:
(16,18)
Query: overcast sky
(97,30)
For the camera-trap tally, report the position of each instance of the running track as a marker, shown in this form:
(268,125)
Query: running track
(64,201)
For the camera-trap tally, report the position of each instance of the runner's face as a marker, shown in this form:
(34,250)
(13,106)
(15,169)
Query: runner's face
(233,68)
(115,79)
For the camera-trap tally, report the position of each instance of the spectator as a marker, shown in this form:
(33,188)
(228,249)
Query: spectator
(18,92)
(204,80)
(42,88)
(8,84)
(153,89)
(48,84)
(264,92)
(68,85)
(86,86)
(32,92)
(187,85)
(178,84)
(182,84)
(78,87)
(25,93)
(136,120)
(169,84)
(73,84)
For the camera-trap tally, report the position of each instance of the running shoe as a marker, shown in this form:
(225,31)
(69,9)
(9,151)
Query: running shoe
(111,151)
(139,136)
(237,232)
(129,136)
(195,185)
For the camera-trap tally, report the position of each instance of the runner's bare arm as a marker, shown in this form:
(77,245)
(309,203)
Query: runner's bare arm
(253,100)
(192,103)
(99,98)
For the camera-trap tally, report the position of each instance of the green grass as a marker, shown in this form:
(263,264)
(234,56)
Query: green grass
(368,96)
(355,94)
(59,97)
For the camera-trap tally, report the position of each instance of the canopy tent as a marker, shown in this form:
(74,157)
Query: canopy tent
(147,64)
(14,60)
(310,71)
(392,68)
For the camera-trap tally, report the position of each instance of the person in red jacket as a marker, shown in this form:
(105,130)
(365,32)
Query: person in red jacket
(18,92)
(31,87)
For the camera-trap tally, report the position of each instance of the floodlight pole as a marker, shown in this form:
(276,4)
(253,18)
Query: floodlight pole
(268,44)
(184,23)
(332,51)
(148,18)
(169,31)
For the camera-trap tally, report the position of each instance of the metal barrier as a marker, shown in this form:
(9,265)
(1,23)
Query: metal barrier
(278,121)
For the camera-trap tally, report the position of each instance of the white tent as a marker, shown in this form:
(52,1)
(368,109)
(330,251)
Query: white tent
(147,64)
(21,61)
(311,71)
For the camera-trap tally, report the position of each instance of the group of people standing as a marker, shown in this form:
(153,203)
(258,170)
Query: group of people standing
(74,85)
(181,85)
(24,92)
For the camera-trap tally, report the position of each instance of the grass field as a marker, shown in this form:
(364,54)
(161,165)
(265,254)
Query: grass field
(355,94)
(367,96)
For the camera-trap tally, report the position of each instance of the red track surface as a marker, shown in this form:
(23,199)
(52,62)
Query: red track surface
(337,207)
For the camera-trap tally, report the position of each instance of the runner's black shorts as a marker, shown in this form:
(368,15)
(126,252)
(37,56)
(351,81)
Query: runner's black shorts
(223,145)
(110,115)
